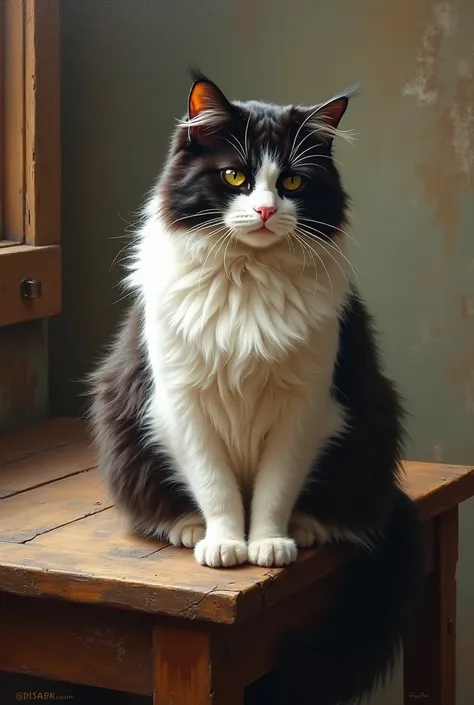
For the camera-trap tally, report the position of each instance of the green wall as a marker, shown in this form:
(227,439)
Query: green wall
(410,175)
(23,375)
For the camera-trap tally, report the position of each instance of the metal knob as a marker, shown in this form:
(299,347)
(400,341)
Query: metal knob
(31,289)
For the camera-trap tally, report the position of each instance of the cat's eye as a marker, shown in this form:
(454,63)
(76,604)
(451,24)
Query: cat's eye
(292,183)
(234,177)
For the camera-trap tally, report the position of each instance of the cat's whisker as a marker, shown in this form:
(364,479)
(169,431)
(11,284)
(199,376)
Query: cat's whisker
(238,148)
(304,246)
(208,255)
(229,240)
(327,225)
(298,156)
(299,130)
(197,228)
(330,243)
(321,260)
(207,211)
(323,244)
(246,144)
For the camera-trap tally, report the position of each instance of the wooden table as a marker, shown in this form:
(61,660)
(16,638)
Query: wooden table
(125,613)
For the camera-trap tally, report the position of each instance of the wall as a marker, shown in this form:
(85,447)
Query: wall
(23,375)
(410,175)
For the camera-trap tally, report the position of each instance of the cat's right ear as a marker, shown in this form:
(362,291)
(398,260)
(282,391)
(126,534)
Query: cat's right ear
(208,108)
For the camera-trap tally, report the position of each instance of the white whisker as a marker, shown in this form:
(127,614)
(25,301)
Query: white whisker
(311,252)
(327,225)
(326,243)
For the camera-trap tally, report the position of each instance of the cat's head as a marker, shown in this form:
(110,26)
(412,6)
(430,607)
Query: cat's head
(254,171)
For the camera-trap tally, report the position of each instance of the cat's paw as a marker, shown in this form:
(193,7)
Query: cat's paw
(223,553)
(187,531)
(275,552)
(306,530)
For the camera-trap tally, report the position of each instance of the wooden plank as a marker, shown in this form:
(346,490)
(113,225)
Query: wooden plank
(29,514)
(24,262)
(2,100)
(168,585)
(437,487)
(429,658)
(13,175)
(109,535)
(35,440)
(76,643)
(42,123)
(28,473)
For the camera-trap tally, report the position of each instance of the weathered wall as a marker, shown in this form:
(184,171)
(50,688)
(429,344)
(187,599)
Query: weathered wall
(410,175)
(23,374)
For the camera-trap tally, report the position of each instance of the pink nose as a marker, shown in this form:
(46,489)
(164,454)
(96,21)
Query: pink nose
(265,212)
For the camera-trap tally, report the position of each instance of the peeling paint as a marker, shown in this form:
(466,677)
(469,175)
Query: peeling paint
(446,18)
(460,371)
(467,306)
(430,333)
(462,117)
(423,86)
(437,453)
(447,170)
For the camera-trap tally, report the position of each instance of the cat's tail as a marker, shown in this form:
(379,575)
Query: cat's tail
(357,648)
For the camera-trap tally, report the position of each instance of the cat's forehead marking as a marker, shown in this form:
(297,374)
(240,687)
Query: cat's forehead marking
(268,170)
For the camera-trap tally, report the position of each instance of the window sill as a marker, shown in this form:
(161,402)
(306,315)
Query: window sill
(20,262)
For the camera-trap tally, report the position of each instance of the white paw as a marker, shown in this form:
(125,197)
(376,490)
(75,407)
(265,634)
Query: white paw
(306,530)
(272,552)
(187,531)
(223,553)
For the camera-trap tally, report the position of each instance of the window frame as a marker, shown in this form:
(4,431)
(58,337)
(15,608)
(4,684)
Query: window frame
(30,208)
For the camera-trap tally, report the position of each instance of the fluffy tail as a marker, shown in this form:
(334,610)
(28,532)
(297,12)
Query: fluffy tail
(357,649)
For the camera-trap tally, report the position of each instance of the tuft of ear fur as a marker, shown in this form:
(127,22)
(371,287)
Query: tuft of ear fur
(325,118)
(208,108)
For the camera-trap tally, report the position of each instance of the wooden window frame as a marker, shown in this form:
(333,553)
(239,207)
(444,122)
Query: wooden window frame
(30,209)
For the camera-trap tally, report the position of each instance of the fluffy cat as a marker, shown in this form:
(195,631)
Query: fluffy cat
(242,409)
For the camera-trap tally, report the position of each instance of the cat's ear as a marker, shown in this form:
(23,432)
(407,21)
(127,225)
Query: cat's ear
(208,108)
(325,118)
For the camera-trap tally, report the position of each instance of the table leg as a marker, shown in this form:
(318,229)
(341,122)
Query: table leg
(429,659)
(191,667)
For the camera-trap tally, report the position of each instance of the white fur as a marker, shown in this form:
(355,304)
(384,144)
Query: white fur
(241,339)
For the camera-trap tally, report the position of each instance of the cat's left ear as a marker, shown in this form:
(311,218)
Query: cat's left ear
(208,108)
(326,117)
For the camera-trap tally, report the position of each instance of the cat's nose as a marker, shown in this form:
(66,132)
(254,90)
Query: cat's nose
(265,212)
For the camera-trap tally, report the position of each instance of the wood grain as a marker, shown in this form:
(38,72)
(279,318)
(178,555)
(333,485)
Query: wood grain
(24,474)
(45,436)
(189,670)
(13,173)
(76,643)
(42,123)
(429,659)
(24,262)
(75,548)
(29,514)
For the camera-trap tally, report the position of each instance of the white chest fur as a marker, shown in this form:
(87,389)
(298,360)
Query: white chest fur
(233,343)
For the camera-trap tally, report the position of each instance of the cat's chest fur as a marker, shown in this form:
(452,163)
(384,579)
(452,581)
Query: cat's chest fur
(241,342)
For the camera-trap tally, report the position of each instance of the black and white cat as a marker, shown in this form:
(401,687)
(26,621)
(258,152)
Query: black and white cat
(242,409)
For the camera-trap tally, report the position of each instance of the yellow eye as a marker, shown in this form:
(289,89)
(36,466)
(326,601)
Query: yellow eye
(233,177)
(292,183)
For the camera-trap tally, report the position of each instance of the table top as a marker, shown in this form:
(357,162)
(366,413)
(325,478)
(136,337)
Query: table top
(60,536)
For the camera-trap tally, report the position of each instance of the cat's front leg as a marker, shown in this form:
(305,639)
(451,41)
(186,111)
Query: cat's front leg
(203,466)
(291,449)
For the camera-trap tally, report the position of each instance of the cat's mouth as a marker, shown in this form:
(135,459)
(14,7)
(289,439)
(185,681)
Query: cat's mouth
(262,230)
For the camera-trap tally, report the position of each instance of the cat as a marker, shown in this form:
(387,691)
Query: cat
(242,409)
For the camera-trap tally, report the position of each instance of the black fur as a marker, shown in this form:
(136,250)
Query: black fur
(358,489)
